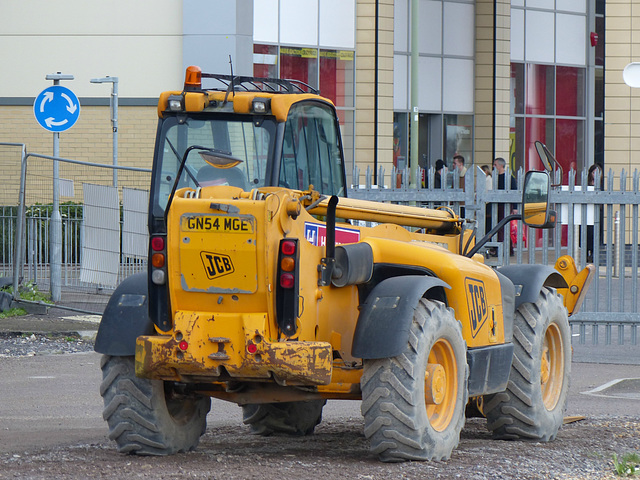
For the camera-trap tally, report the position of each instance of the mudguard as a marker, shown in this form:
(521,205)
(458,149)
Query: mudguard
(125,318)
(529,280)
(385,318)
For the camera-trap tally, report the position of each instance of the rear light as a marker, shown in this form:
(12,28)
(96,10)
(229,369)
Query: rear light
(183,345)
(288,264)
(287,280)
(157,244)
(157,260)
(287,298)
(288,247)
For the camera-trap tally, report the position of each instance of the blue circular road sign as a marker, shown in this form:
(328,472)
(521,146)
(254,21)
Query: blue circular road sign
(56,108)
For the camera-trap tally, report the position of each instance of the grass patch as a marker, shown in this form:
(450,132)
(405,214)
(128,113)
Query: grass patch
(627,465)
(13,312)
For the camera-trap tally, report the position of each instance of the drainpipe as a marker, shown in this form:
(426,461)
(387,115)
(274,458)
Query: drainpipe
(493,103)
(415,181)
(375,97)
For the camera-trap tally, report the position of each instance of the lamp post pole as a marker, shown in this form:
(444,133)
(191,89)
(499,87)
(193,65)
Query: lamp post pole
(113,108)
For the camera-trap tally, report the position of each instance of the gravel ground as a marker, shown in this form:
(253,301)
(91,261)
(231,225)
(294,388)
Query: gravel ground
(583,450)
(30,344)
(338,450)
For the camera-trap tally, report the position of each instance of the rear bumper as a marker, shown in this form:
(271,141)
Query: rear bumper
(223,347)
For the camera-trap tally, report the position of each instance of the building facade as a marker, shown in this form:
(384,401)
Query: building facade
(492,76)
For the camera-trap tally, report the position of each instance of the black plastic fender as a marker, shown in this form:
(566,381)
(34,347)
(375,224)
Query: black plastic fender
(529,279)
(125,318)
(385,317)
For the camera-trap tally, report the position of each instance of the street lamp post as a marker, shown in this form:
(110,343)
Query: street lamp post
(113,107)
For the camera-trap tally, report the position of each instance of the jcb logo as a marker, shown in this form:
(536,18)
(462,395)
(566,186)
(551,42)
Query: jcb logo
(216,264)
(477,302)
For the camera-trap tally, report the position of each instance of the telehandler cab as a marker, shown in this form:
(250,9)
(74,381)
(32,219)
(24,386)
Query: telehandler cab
(264,290)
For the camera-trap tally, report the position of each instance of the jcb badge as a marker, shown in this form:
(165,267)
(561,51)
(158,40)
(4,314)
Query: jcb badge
(477,301)
(216,264)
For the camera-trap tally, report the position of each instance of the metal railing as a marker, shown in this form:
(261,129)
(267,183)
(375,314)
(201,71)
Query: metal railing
(608,216)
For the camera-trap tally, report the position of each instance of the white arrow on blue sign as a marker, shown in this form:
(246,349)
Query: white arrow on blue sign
(56,108)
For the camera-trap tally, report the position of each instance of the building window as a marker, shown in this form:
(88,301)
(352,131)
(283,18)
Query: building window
(265,61)
(548,105)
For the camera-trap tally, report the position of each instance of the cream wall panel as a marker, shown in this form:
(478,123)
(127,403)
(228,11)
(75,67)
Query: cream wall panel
(82,17)
(144,65)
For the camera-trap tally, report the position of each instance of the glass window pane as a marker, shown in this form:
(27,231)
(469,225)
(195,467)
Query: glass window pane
(517,88)
(540,129)
(311,151)
(400,140)
(599,92)
(570,145)
(265,61)
(570,91)
(401,25)
(459,28)
(570,30)
(517,35)
(599,141)
(299,22)
(430,34)
(540,84)
(337,23)
(430,96)
(458,138)
(516,145)
(299,64)
(600,44)
(336,76)
(579,6)
(458,81)
(400,80)
(539,36)
(265,21)
(347,134)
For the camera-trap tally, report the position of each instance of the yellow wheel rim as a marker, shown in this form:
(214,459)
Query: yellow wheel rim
(441,385)
(552,367)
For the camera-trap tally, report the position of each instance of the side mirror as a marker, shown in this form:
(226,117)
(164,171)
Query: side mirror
(547,159)
(535,201)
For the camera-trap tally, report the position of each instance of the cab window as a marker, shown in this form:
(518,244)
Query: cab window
(311,153)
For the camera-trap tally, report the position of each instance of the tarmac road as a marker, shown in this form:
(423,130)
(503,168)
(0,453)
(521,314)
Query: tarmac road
(53,400)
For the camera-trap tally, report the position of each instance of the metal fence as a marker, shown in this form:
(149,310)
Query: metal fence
(103,229)
(609,315)
(608,216)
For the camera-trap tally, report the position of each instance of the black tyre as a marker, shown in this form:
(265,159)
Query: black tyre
(532,407)
(147,417)
(413,404)
(294,418)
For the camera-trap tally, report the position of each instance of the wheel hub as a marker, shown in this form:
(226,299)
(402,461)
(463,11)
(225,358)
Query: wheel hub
(435,384)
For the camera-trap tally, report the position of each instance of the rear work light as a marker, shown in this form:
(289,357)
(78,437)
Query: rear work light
(158,260)
(287,297)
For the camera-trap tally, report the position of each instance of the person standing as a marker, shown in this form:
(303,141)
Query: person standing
(500,166)
(591,181)
(458,164)
(437,178)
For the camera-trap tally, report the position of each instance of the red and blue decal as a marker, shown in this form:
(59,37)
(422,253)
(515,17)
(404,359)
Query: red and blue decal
(316,234)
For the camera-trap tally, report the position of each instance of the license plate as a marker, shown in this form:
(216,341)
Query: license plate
(218,223)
